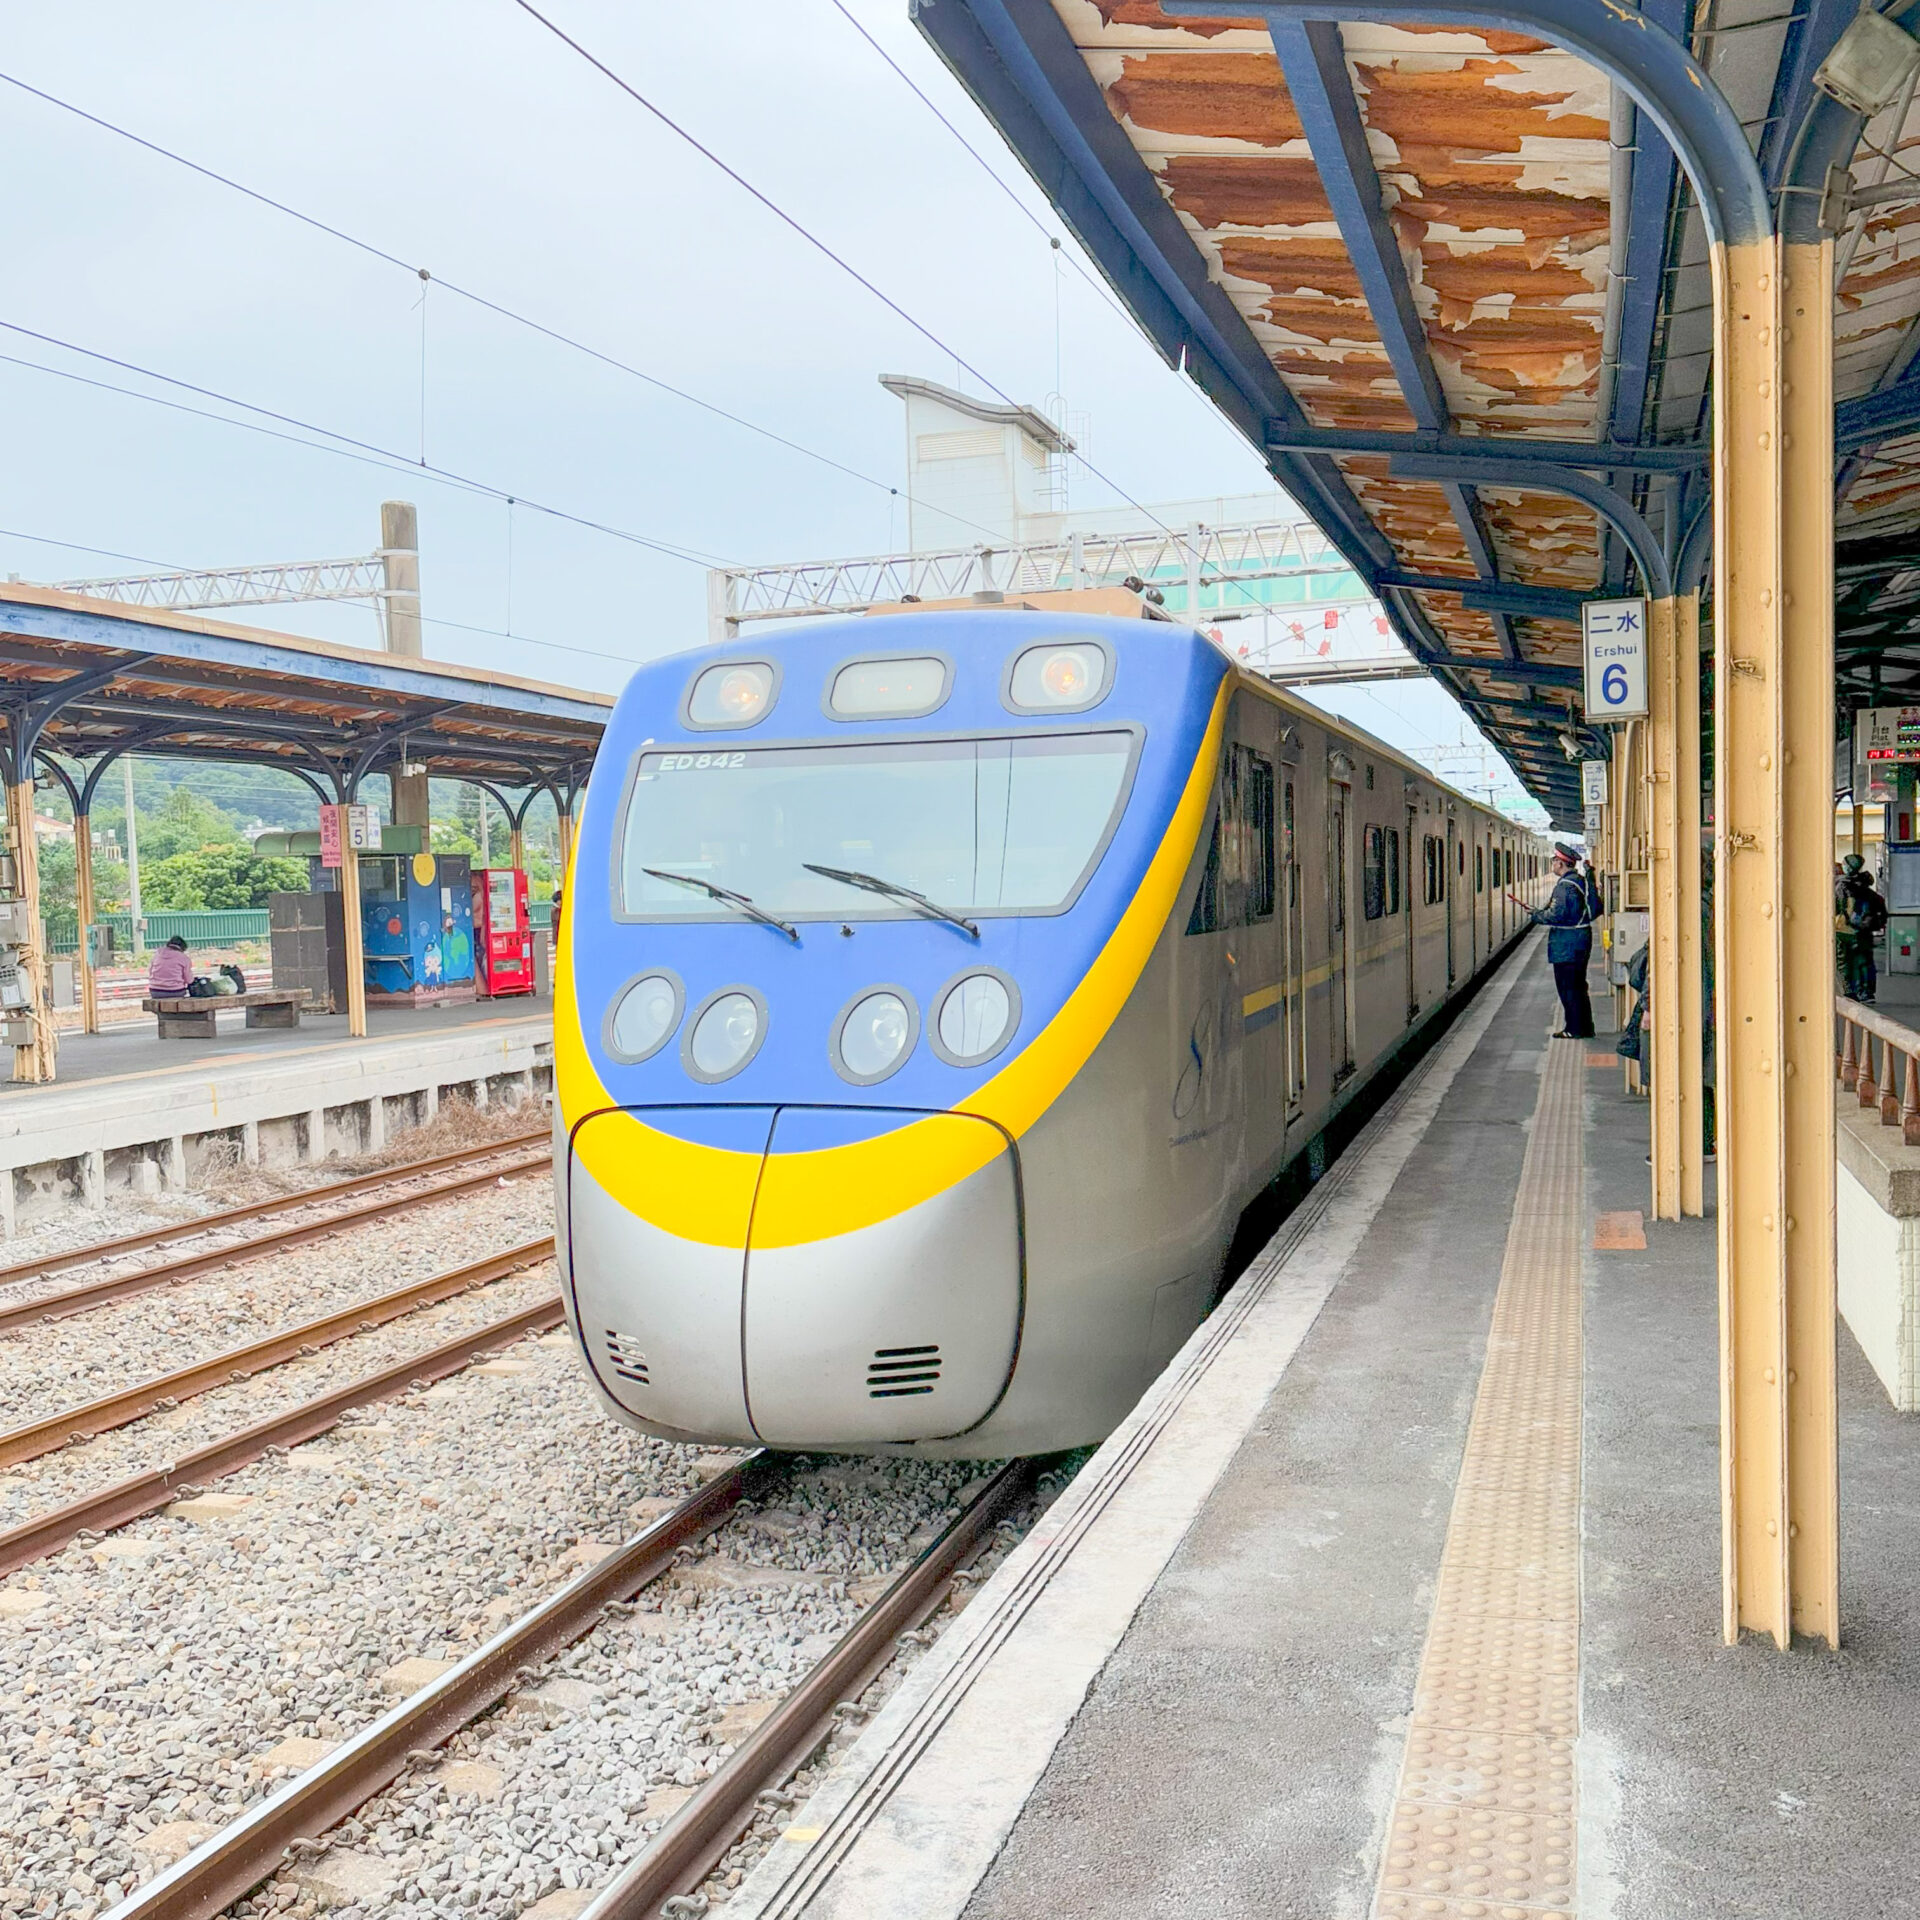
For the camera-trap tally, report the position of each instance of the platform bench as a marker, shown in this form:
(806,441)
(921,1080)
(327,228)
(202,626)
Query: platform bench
(182,1017)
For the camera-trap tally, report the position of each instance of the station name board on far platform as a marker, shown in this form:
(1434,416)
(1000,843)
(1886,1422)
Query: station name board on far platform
(1615,636)
(344,827)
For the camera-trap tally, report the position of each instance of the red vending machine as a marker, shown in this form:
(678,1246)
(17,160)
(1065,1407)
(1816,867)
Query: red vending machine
(502,933)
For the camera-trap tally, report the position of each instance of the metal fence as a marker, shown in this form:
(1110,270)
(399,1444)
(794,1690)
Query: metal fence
(209,929)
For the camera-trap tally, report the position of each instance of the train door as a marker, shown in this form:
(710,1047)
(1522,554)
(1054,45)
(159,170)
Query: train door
(1448,891)
(1413,971)
(1293,954)
(1339,928)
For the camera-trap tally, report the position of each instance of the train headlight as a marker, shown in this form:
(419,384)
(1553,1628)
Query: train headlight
(1058,678)
(644,1017)
(976,1018)
(726,1034)
(735,695)
(874,1034)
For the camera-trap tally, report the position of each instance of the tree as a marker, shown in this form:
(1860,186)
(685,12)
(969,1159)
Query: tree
(57,894)
(217,879)
(451,837)
(185,824)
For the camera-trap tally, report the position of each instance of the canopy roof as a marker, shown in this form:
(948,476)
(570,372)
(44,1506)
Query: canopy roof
(1456,288)
(82,683)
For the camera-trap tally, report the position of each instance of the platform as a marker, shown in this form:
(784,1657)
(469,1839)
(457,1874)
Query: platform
(131,1111)
(1400,1592)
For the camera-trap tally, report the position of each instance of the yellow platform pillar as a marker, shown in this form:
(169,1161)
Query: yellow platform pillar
(1673,1042)
(37,1061)
(1773,623)
(83,894)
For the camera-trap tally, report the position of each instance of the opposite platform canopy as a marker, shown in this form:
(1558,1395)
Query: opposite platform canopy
(1456,288)
(81,684)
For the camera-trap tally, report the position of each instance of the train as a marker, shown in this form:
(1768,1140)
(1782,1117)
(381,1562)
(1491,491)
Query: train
(937,991)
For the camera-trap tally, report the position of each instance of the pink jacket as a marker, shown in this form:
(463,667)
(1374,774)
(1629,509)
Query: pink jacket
(171,971)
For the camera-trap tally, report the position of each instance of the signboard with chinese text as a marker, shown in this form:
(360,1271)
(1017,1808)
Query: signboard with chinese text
(1615,633)
(1593,783)
(363,829)
(330,835)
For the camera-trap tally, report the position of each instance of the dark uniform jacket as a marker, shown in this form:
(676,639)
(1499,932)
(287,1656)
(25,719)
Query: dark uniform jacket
(1568,916)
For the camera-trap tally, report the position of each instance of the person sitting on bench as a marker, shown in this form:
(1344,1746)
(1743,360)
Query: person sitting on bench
(171,973)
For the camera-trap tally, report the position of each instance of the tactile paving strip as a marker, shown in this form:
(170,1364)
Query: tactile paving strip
(1483,1817)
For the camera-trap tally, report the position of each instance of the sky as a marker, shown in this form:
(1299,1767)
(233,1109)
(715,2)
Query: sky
(466,139)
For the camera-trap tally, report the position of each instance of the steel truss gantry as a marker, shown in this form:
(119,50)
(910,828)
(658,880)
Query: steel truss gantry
(362,578)
(1194,559)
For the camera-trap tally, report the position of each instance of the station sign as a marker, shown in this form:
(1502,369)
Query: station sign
(1884,740)
(1615,637)
(1590,825)
(1593,783)
(343,827)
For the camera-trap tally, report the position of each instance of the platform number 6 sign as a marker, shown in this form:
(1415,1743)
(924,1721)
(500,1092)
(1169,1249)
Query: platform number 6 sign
(1615,632)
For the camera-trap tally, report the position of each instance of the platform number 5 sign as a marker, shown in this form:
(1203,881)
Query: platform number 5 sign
(1616,654)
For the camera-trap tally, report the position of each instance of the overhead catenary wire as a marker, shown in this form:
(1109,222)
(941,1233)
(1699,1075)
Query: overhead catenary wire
(454,287)
(981,161)
(346,445)
(812,239)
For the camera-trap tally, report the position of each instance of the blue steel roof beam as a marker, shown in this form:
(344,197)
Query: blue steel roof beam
(1811,32)
(1313,61)
(1648,199)
(1614,508)
(1859,425)
(1017,60)
(1685,459)
(1493,596)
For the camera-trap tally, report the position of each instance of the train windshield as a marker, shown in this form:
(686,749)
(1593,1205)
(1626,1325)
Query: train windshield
(980,826)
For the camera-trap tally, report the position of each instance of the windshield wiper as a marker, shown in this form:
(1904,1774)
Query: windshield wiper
(731,898)
(872,883)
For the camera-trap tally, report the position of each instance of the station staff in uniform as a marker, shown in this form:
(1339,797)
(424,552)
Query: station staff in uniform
(1568,918)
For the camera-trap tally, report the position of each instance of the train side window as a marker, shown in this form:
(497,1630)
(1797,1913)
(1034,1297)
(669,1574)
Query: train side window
(1461,851)
(1286,851)
(1237,889)
(1479,870)
(1435,852)
(1393,870)
(1256,799)
(1373,872)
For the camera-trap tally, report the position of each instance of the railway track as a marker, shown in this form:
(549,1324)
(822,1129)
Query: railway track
(234,1861)
(94,1293)
(142,1493)
(240,1363)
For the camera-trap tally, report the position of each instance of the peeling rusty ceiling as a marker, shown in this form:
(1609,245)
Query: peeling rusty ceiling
(1447,230)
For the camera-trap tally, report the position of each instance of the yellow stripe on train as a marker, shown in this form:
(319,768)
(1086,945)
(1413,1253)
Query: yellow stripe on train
(705,1194)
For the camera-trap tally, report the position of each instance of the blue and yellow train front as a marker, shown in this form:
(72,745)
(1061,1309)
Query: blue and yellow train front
(848,913)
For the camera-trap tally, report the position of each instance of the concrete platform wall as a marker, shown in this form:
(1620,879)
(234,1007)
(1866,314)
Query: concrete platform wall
(1877,1230)
(74,1146)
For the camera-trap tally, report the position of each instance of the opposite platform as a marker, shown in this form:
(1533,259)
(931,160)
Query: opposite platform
(1399,1594)
(138,1114)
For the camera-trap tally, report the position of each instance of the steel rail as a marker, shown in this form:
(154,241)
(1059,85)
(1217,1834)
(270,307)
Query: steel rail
(256,1209)
(228,1865)
(112,1410)
(128,1499)
(681,1854)
(94,1293)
